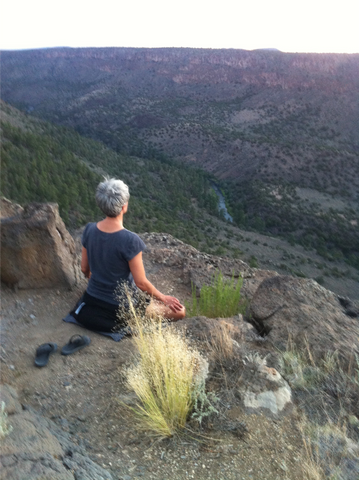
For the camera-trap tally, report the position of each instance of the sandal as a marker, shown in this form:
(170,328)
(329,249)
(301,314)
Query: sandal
(43,353)
(76,342)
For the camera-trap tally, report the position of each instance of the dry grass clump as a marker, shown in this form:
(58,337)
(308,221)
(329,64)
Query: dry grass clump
(166,377)
(329,451)
(329,393)
(326,375)
(300,368)
(220,344)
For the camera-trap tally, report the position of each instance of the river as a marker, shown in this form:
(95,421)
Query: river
(222,203)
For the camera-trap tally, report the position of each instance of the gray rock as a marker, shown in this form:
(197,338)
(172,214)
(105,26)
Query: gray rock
(263,390)
(36,249)
(37,449)
(301,310)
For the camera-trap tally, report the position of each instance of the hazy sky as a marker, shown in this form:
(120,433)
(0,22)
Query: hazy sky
(290,26)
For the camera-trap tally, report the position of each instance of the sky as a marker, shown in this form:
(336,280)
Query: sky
(288,25)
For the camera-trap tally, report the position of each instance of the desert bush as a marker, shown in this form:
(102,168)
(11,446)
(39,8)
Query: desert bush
(220,299)
(168,378)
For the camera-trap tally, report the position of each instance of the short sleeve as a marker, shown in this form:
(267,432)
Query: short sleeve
(85,236)
(134,246)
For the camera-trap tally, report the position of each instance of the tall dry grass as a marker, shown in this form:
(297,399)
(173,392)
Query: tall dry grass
(329,393)
(165,376)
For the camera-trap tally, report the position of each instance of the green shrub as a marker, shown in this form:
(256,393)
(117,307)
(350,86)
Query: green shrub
(220,299)
(253,262)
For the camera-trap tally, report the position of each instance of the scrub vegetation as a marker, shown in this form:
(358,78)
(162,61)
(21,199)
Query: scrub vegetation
(222,298)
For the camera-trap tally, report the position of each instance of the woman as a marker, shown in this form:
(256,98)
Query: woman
(112,256)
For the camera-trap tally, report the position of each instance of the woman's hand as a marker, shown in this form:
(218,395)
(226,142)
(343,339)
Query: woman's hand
(139,276)
(172,302)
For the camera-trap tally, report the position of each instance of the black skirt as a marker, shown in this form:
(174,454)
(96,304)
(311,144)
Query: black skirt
(98,315)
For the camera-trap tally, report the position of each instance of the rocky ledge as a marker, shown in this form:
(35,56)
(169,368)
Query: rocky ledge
(37,449)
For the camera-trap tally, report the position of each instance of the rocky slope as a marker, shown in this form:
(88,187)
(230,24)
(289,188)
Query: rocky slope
(84,394)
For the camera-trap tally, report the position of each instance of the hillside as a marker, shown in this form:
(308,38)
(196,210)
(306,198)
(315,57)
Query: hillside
(42,162)
(231,111)
(279,130)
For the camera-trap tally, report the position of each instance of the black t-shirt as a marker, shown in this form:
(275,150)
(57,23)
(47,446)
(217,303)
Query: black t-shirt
(108,255)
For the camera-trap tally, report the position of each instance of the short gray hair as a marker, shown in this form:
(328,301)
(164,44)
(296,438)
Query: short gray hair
(111,196)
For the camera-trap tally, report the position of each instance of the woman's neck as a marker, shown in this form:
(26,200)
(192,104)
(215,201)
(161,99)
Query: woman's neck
(111,224)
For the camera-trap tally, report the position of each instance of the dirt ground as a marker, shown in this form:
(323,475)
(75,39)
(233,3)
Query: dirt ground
(83,393)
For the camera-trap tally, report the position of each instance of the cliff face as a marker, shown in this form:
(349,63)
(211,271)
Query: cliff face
(138,99)
(328,72)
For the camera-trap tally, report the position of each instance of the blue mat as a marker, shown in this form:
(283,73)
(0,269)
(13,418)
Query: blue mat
(116,336)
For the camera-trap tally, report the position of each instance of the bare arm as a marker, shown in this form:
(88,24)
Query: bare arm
(85,267)
(139,275)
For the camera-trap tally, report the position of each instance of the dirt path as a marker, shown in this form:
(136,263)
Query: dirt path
(81,393)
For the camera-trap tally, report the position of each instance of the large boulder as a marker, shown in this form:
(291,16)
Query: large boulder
(299,310)
(36,249)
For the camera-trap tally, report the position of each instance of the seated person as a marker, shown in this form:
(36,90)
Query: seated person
(112,255)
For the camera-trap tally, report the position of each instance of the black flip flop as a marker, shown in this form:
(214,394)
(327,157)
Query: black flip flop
(75,343)
(43,353)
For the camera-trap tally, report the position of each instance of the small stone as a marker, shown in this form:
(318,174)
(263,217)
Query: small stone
(32,316)
(81,418)
(12,367)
